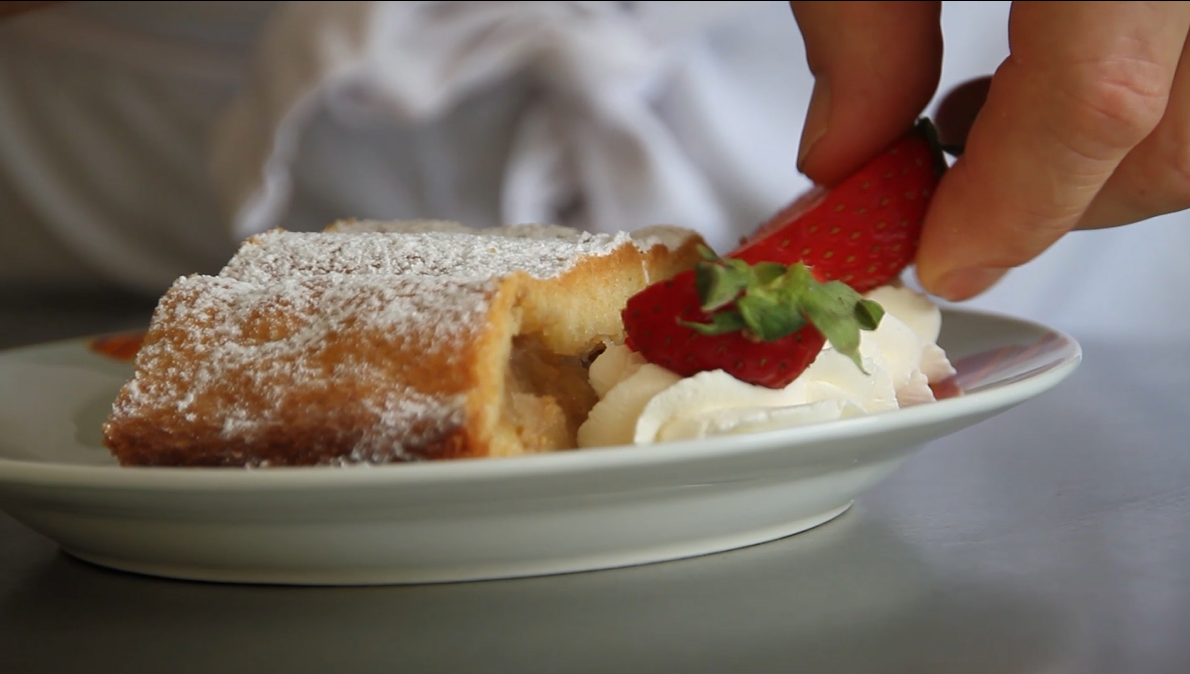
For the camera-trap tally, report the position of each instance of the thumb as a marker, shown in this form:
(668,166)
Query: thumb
(876,66)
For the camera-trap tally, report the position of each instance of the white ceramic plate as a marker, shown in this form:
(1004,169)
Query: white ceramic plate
(469,519)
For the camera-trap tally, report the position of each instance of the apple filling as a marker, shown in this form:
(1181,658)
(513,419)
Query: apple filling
(547,396)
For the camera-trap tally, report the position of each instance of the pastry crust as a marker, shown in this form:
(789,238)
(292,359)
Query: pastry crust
(380,342)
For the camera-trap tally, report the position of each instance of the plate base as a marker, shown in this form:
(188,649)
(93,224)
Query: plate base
(426,576)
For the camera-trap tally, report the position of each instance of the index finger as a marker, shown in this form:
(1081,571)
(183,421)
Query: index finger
(1084,84)
(876,65)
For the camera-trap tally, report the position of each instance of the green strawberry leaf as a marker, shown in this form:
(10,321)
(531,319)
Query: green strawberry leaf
(832,308)
(718,285)
(769,316)
(765,273)
(721,323)
(770,301)
(869,313)
(708,254)
(796,279)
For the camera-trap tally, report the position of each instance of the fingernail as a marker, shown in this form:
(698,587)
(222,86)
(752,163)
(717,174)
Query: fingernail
(963,284)
(817,115)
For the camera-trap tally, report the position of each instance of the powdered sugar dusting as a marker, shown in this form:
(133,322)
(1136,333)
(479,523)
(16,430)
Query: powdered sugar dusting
(646,238)
(669,236)
(349,340)
(280,255)
(249,361)
(398,226)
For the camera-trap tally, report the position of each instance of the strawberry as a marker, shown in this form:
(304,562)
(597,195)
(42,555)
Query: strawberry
(864,230)
(763,313)
(763,324)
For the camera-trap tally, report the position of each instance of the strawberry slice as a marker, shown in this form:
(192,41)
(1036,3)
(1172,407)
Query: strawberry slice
(865,230)
(763,324)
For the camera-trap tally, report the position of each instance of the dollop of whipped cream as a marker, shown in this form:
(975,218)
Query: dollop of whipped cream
(641,403)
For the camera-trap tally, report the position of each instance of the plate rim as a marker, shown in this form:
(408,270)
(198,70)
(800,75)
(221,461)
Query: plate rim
(14,472)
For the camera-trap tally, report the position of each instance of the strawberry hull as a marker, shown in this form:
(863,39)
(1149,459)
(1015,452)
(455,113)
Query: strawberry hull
(765,312)
(651,321)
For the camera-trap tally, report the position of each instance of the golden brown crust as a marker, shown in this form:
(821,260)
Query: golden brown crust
(230,375)
(366,345)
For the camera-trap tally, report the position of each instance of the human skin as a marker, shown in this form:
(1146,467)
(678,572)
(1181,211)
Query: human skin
(1085,125)
(8,9)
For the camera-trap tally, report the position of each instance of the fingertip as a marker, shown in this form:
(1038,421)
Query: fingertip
(963,284)
(942,246)
(877,65)
(817,119)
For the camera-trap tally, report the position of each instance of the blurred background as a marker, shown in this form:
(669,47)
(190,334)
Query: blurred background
(141,141)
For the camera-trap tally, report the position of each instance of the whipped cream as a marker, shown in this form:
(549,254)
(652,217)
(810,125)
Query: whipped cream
(643,403)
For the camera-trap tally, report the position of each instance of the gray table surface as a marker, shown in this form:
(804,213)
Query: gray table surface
(1053,538)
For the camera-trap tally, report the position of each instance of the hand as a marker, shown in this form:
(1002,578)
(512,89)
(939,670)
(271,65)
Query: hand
(1085,125)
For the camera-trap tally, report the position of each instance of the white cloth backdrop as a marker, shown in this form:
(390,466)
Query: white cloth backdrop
(140,141)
